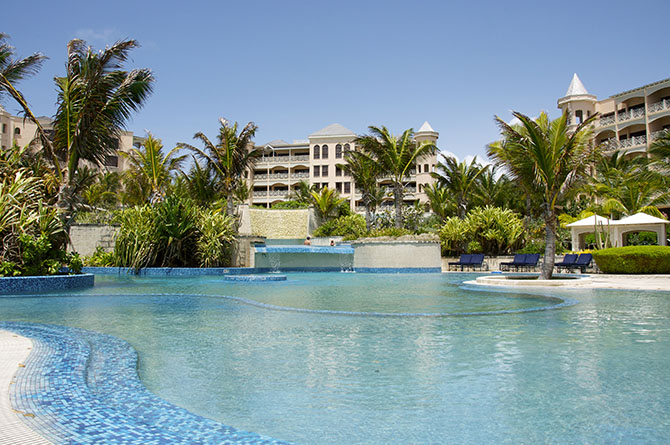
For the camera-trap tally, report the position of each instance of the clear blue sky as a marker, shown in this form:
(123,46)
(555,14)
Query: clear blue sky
(295,67)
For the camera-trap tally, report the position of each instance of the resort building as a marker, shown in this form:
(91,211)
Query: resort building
(628,121)
(318,160)
(20,131)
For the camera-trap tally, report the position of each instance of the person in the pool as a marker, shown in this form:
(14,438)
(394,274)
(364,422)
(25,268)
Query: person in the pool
(308,241)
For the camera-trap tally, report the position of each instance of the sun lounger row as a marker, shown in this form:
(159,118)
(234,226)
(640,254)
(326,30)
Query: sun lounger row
(522,261)
(574,261)
(472,260)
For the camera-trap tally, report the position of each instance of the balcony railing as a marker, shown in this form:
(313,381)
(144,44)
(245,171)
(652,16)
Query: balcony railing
(604,121)
(656,134)
(282,159)
(262,194)
(264,176)
(634,141)
(659,106)
(630,114)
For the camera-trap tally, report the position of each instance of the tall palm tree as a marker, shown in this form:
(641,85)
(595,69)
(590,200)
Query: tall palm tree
(231,157)
(201,183)
(13,71)
(152,167)
(553,157)
(440,200)
(460,179)
(96,97)
(395,156)
(365,173)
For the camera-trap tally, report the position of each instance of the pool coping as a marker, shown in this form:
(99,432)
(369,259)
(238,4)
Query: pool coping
(80,386)
(44,283)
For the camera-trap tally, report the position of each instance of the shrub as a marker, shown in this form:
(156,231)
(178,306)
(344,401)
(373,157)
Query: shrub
(216,233)
(100,258)
(634,260)
(351,226)
(291,204)
(391,232)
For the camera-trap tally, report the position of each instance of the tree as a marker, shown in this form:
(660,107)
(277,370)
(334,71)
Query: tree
(395,157)
(327,203)
(551,159)
(460,179)
(660,151)
(96,97)
(440,200)
(231,157)
(152,168)
(13,71)
(365,173)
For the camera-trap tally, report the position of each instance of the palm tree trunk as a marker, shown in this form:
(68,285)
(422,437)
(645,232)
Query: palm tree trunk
(368,214)
(398,195)
(550,245)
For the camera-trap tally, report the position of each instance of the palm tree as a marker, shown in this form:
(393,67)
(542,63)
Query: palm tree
(440,200)
(95,99)
(13,71)
(660,151)
(365,173)
(231,157)
(395,157)
(153,168)
(327,203)
(201,183)
(460,179)
(553,157)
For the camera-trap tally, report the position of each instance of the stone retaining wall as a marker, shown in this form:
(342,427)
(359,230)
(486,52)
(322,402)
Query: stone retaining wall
(397,255)
(85,238)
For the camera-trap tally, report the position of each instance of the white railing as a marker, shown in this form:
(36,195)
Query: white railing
(264,176)
(634,141)
(631,114)
(282,159)
(609,120)
(659,106)
(261,194)
(609,144)
(656,134)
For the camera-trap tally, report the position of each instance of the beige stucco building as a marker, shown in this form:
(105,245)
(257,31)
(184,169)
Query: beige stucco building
(319,159)
(628,121)
(16,129)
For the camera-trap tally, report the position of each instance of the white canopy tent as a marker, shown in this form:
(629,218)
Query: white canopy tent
(617,229)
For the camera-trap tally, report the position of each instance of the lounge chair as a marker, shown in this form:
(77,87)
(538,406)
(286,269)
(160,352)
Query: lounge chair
(519,260)
(568,262)
(477,260)
(465,260)
(531,261)
(583,261)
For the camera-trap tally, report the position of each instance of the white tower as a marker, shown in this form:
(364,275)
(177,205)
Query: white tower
(578,103)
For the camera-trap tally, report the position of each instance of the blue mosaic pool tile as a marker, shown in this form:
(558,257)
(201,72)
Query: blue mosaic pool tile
(255,278)
(19,285)
(82,387)
(398,269)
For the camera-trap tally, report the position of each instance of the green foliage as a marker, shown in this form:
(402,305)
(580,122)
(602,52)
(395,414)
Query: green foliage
(495,231)
(642,239)
(475,247)
(350,226)
(9,269)
(634,260)
(75,263)
(290,205)
(39,256)
(327,203)
(95,217)
(173,233)
(391,232)
(100,258)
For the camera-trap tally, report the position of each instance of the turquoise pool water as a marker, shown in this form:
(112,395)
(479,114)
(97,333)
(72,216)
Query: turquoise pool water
(593,372)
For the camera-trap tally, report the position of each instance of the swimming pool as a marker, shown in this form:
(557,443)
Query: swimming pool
(591,372)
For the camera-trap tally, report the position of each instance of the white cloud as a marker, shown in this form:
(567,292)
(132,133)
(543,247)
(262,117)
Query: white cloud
(106,36)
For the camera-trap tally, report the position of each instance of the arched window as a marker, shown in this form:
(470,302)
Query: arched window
(324,151)
(418,168)
(425,168)
(346,148)
(316,152)
(579,116)
(338,151)
(17,131)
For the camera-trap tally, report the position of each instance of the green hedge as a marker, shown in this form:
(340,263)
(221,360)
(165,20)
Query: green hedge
(634,259)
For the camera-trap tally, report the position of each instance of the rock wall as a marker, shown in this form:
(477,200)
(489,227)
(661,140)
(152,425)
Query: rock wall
(85,238)
(280,224)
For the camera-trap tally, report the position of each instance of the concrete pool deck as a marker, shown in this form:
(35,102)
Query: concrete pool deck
(590,281)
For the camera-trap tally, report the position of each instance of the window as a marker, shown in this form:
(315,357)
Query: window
(4,128)
(418,168)
(324,170)
(338,187)
(338,151)
(324,152)
(420,188)
(347,187)
(346,148)
(425,168)
(316,152)
(338,171)
(111,161)
(317,170)
(579,116)
(17,131)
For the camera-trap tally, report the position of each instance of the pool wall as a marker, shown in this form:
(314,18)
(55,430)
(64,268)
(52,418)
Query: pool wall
(394,256)
(19,285)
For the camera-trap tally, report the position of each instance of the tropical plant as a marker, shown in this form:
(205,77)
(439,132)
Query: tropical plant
(551,159)
(95,99)
(440,200)
(104,193)
(365,173)
(460,180)
(216,232)
(660,151)
(327,203)
(395,157)
(231,157)
(151,168)
(201,183)
(350,226)
(302,192)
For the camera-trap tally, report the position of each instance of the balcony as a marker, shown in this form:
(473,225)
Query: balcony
(633,113)
(656,134)
(276,176)
(273,193)
(633,142)
(659,106)
(605,121)
(282,159)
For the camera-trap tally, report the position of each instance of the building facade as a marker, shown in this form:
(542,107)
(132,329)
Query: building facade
(15,129)
(629,121)
(318,161)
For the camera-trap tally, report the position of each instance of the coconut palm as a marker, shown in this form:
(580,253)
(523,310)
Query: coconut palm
(460,179)
(660,151)
(231,157)
(440,200)
(365,173)
(549,157)
(96,97)
(396,156)
(153,168)
(13,71)
(327,203)
(200,183)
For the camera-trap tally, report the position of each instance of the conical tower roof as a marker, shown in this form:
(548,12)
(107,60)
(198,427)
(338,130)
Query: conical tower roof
(576,87)
(425,127)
